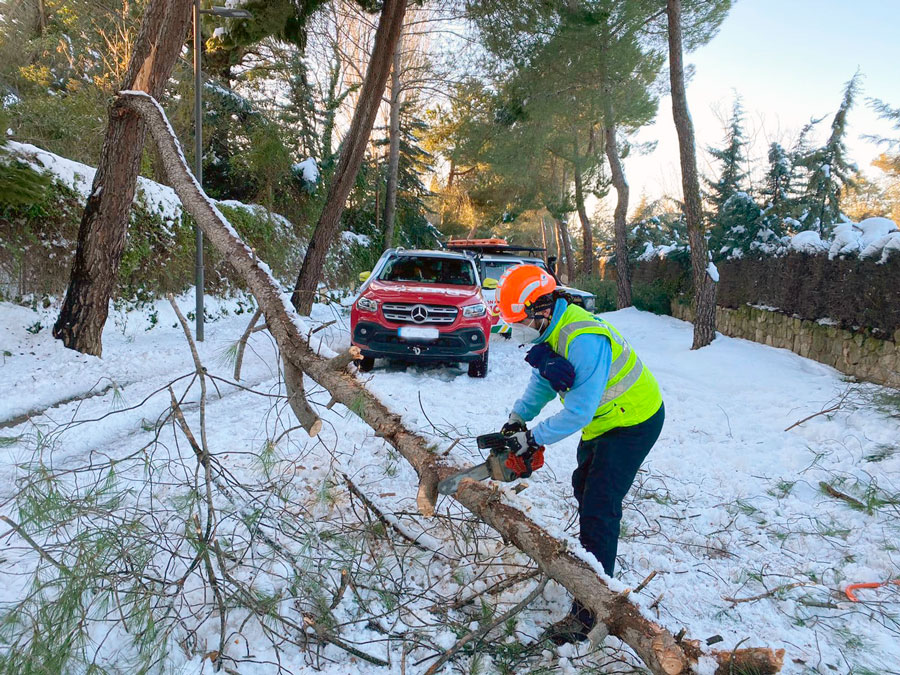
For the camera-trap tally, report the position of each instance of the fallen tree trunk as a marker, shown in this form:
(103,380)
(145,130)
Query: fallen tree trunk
(656,646)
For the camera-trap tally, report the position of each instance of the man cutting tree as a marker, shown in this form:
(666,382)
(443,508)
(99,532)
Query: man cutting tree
(608,394)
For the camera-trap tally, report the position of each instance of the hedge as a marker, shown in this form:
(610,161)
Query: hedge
(851,293)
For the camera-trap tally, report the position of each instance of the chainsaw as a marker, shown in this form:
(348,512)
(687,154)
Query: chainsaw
(502,463)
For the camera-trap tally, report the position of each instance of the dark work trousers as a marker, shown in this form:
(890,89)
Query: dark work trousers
(606,469)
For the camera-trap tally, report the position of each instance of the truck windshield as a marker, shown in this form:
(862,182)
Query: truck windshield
(494,269)
(425,269)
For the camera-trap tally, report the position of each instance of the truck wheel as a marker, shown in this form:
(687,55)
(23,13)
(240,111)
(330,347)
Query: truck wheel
(479,368)
(366,364)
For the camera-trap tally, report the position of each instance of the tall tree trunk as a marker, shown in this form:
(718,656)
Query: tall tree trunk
(552,240)
(571,262)
(544,240)
(704,286)
(377,197)
(623,274)
(390,199)
(557,240)
(587,264)
(563,232)
(41,19)
(386,36)
(101,235)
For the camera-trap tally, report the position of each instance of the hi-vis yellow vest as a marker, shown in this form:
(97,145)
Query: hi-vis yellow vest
(632,395)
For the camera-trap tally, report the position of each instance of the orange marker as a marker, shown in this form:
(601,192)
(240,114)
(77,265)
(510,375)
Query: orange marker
(877,584)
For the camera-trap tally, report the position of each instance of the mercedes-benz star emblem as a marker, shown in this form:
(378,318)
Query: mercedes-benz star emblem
(419,314)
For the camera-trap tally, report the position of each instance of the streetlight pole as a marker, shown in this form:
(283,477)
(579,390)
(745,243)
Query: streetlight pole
(198,145)
(198,170)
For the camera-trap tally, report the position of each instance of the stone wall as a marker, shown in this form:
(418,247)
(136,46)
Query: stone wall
(851,352)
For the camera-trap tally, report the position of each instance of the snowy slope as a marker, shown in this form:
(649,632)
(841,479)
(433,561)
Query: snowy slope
(728,505)
(156,197)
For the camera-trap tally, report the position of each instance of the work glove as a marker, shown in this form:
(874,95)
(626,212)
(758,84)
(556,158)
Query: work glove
(552,367)
(525,456)
(513,425)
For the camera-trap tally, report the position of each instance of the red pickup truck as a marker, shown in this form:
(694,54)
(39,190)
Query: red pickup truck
(422,306)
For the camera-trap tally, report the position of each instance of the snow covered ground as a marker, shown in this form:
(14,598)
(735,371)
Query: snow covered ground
(732,511)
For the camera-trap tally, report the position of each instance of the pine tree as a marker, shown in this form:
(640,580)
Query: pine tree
(412,228)
(735,215)
(666,231)
(830,170)
(750,231)
(886,112)
(732,159)
(703,280)
(777,198)
(776,191)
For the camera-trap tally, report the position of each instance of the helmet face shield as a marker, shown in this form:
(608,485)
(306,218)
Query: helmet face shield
(518,290)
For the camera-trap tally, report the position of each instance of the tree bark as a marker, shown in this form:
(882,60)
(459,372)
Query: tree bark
(560,253)
(563,232)
(386,35)
(40,19)
(293,381)
(544,240)
(659,649)
(704,286)
(587,264)
(390,199)
(623,274)
(101,235)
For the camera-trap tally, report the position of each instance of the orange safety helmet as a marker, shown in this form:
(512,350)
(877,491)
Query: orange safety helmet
(519,287)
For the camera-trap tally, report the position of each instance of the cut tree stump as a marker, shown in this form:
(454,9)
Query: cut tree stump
(656,646)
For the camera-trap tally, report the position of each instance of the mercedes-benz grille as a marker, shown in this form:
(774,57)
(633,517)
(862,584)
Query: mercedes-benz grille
(419,314)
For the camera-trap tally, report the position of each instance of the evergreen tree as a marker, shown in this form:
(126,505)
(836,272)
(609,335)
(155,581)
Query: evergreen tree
(732,159)
(734,213)
(666,231)
(412,228)
(60,60)
(891,114)
(830,170)
(778,200)
(750,231)
(776,191)
(788,210)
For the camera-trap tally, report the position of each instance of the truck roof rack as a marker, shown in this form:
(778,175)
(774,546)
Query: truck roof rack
(487,246)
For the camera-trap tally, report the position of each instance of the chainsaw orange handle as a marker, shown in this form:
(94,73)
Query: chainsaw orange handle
(876,584)
(523,469)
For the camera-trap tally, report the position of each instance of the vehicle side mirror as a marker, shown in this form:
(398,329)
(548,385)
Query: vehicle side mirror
(364,275)
(489,284)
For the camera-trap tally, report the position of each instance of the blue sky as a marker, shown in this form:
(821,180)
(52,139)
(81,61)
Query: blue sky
(789,61)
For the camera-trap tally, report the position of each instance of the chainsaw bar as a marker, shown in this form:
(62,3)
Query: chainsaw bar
(450,485)
(492,467)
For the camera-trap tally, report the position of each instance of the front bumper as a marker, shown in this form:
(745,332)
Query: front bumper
(461,345)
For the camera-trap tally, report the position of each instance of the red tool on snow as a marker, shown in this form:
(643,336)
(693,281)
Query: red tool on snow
(876,584)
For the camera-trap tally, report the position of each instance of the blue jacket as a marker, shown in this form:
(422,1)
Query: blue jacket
(591,356)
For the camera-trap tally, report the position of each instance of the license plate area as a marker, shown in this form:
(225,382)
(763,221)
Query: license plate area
(422,333)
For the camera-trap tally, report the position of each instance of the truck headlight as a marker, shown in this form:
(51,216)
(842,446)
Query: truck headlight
(590,303)
(367,304)
(474,311)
